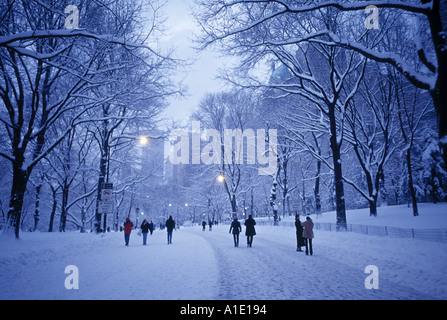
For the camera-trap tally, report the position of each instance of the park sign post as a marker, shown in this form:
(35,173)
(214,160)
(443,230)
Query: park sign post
(106,204)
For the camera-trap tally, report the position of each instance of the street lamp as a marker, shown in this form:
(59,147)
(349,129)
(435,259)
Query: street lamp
(221,177)
(143,140)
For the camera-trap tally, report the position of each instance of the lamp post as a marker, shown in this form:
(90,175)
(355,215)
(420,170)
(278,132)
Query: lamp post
(103,179)
(137,212)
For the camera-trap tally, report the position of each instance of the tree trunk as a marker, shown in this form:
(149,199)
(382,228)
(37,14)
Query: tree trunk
(338,175)
(317,178)
(53,210)
(63,220)
(251,201)
(285,185)
(339,192)
(273,192)
(101,180)
(233,202)
(372,194)
(439,97)
(410,183)
(439,93)
(20,179)
(317,189)
(37,207)
(373,207)
(102,171)
(83,215)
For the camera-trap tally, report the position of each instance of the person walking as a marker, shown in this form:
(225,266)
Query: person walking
(210,224)
(144,230)
(128,226)
(151,227)
(236,228)
(170,225)
(203,225)
(250,230)
(308,234)
(299,234)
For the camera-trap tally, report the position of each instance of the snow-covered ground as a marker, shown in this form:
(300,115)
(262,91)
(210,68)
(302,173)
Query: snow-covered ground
(203,265)
(430,216)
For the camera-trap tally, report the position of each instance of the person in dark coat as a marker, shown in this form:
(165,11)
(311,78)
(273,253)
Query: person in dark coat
(144,230)
(151,227)
(250,230)
(203,225)
(128,226)
(210,224)
(308,234)
(236,228)
(170,225)
(299,234)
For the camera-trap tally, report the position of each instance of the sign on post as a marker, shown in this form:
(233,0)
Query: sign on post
(106,203)
(294,205)
(105,206)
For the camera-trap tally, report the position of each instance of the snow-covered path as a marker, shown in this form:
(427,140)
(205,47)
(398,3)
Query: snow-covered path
(205,265)
(272,269)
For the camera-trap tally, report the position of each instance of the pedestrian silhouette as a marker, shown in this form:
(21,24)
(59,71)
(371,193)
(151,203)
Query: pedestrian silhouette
(144,230)
(308,234)
(250,230)
(170,225)
(236,228)
(128,225)
(151,227)
(299,234)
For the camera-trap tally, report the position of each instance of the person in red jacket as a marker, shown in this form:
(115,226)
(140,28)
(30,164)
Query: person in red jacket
(128,226)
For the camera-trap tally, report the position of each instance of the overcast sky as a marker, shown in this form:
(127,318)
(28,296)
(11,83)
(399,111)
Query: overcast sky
(200,77)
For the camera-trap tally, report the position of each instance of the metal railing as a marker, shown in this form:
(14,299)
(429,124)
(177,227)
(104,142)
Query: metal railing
(438,235)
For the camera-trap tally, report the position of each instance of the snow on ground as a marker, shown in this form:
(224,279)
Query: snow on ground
(430,216)
(203,265)
(33,267)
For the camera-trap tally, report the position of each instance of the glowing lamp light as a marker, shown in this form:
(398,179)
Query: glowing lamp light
(143,140)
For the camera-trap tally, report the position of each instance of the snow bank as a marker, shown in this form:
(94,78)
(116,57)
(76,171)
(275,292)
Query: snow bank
(430,216)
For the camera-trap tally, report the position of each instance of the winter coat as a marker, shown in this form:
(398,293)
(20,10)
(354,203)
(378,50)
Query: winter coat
(299,233)
(236,227)
(308,232)
(250,227)
(170,224)
(145,227)
(128,225)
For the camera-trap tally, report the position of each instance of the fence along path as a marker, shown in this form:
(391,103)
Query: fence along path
(438,235)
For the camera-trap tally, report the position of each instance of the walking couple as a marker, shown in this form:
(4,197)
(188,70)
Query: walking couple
(250,231)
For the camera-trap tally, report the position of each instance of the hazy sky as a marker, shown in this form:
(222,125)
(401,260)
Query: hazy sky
(200,76)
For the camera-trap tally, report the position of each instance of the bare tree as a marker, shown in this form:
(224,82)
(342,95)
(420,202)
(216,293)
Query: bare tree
(373,132)
(424,64)
(325,75)
(410,110)
(47,71)
(222,112)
